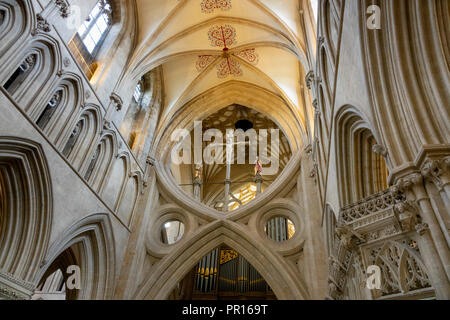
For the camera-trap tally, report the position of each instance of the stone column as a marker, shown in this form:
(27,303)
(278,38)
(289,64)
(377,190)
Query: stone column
(316,262)
(431,260)
(136,250)
(414,182)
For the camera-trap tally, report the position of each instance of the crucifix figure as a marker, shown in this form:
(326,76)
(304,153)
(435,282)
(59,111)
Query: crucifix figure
(258,176)
(197,182)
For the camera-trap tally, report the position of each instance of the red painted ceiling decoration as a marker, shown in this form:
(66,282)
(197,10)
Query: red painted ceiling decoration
(208,6)
(222,36)
(229,67)
(228,64)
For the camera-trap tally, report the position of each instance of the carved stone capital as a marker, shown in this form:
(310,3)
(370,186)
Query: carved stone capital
(407,183)
(107,125)
(436,171)
(380,150)
(42,25)
(308,149)
(150,161)
(64,8)
(406,213)
(116,100)
(309,79)
(346,237)
(422,228)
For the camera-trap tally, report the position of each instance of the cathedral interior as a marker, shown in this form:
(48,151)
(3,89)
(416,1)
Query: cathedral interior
(120,179)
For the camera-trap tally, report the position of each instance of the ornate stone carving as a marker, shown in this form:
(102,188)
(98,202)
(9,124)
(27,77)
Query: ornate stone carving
(310,79)
(66,62)
(116,100)
(41,25)
(407,212)
(434,170)
(107,125)
(64,8)
(380,150)
(151,161)
(422,228)
(377,202)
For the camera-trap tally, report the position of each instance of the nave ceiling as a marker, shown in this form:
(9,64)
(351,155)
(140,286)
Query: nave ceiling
(204,45)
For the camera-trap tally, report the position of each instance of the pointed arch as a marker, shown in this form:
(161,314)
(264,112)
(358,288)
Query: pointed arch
(16,24)
(129,196)
(69,92)
(80,141)
(95,239)
(172,269)
(44,62)
(117,178)
(27,203)
(361,171)
(100,162)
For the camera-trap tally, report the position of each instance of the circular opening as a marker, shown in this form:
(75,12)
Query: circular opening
(172,231)
(279,229)
(243,124)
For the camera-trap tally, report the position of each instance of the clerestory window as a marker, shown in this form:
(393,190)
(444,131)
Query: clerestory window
(93,31)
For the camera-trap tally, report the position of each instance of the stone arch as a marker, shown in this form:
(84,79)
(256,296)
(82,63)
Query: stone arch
(225,95)
(70,91)
(330,24)
(176,265)
(46,56)
(128,198)
(100,161)
(402,269)
(26,216)
(119,172)
(76,149)
(421,101)
(362,170)
(326,68)
(15,24)
(94,237)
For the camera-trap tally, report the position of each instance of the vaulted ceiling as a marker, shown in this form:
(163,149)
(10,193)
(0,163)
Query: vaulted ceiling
(204,44)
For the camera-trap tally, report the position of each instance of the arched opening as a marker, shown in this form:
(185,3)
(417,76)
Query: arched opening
(88,40)
(49,110)
(141,118)
(61,280)
(25,213)
(20,74)
(362,168)
(223,274)
(241,152)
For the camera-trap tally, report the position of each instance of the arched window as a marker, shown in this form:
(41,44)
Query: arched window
(73,139)
(138,91)
(18,77)
(49,110)
(93,31)
(93,162)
